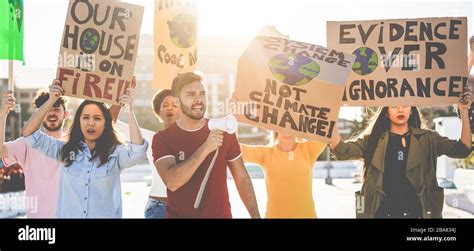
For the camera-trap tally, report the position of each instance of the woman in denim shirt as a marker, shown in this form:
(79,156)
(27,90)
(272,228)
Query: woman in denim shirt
(92,157)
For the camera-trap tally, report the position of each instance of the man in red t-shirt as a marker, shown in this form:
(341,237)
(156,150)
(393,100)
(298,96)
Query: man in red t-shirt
(183,152)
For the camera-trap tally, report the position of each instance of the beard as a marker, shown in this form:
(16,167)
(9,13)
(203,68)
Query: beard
(186,110)
(52,128)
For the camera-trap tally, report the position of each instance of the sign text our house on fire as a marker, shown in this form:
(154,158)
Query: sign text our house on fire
(98,49)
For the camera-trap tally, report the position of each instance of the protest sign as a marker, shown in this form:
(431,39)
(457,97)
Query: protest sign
(175,40)
(403,61)
(292,87)
(99,49)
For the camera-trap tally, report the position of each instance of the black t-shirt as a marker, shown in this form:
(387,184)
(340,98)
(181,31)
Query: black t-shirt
(400,197)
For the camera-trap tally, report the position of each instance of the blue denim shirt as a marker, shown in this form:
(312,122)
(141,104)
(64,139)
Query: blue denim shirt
(86,190)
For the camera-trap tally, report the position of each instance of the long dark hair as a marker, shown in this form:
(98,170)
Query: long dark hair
(105,144)
(378,125)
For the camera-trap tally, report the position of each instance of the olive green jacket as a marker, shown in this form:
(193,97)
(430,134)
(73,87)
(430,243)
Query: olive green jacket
(425,147)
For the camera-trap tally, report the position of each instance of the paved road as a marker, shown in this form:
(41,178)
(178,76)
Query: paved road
(335,201)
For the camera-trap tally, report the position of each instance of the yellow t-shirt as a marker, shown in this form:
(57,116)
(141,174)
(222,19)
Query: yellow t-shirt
(288,178)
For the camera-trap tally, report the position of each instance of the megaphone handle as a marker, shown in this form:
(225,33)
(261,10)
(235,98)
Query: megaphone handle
(204,181)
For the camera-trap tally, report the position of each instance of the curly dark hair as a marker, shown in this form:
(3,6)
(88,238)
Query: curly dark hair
(158,98)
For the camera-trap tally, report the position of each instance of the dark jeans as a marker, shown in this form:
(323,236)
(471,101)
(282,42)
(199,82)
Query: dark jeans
(155,209)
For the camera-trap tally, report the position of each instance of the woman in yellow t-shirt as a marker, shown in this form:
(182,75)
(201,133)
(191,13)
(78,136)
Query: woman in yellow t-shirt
(288,168)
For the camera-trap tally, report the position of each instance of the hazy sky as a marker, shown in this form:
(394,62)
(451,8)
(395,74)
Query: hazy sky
(301,19)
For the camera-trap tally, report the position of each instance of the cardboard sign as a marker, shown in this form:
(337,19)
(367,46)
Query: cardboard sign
(99,49)
(403,61)
(175,40)
(292,87)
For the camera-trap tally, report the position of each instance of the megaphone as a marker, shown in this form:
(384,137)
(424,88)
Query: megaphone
(227,124)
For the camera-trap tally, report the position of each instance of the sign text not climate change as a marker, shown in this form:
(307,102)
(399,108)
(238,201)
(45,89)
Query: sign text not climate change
(277,102)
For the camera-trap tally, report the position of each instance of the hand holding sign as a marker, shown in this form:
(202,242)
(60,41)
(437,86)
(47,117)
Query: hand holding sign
(466,99)
(55,90)
(8,103)
(134,83)
(127,98)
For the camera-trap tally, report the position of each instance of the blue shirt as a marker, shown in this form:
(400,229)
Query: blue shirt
(86,190)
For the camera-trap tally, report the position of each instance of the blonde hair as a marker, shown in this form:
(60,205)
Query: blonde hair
(183,79)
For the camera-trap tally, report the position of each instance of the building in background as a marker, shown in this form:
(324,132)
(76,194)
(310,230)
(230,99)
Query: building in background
(16,119)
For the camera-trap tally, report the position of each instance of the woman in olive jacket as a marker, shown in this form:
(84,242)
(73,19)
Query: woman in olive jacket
(400,162)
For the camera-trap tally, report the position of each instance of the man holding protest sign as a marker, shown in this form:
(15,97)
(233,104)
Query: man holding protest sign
(78,48)
(41,172)
(183,152)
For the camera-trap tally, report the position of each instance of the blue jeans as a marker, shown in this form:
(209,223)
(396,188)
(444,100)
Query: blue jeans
(155,209)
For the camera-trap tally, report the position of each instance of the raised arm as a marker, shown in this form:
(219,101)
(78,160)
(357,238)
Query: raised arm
(336,138)
(252,154)
(345,150)
(7,105)
(458,148)
(115,109)
(35,121)
(114,112)
(135,133)
(464,105)
(135,153)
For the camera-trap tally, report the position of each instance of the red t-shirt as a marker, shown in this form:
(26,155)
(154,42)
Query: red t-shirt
(181,144)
